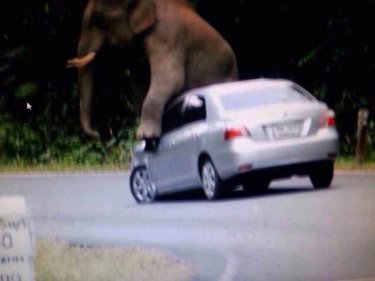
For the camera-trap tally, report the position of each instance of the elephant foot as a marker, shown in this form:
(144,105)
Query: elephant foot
(148,130)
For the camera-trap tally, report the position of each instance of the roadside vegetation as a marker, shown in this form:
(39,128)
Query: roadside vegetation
(59,261)
(350,163)
(342,163)
(327,47)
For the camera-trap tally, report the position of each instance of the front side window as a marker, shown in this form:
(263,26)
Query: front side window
(189,110)
(172,117)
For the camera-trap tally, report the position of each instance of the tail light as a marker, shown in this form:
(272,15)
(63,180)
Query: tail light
(328,119)
(235,131)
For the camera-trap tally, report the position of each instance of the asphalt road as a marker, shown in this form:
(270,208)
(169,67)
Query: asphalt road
(290,233)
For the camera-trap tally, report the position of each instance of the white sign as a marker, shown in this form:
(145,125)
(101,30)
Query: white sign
(16,247)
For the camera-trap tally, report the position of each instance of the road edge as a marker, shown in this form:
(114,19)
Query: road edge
(127,172)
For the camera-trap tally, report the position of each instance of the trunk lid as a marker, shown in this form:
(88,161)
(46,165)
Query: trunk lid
(280,121)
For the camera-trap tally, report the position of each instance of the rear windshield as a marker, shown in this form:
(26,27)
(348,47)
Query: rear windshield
(253,98)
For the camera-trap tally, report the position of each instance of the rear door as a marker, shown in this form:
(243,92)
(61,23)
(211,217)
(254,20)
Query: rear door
(188,142)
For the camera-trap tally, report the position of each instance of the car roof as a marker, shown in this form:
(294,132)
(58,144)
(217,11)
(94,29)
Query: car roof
(228,87)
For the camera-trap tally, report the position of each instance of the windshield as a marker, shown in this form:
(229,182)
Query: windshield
(259,97)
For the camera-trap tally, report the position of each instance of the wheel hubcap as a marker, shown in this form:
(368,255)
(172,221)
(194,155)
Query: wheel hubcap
(144,190)
(209,180)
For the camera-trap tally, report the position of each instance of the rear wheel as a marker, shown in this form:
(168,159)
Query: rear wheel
(143,190)
(321,176)
(212,184)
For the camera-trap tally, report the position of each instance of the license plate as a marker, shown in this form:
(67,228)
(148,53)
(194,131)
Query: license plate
(287,130)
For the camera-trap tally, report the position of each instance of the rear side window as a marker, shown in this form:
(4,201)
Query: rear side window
(253,98)
(189,110)
(194,110)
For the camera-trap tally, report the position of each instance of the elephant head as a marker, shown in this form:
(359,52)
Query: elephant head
(182,50)
(116,22)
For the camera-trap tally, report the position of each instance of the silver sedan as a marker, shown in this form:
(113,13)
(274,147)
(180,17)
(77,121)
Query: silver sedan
(240,133)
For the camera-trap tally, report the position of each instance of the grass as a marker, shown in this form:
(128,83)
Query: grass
(342,163)
(56,166)
(349,163)
(59,261)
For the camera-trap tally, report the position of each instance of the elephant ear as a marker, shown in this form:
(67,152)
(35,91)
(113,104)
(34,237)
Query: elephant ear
(142,15)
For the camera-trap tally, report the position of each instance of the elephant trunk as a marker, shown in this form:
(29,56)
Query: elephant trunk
(89,44)
(85,88)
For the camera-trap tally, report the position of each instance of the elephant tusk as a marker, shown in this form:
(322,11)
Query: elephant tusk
(81,61)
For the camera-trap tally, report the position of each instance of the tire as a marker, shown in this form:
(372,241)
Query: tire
(256,185)
(321,176)
(211,183)
(142,189)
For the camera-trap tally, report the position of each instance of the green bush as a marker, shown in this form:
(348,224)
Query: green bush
(23,145)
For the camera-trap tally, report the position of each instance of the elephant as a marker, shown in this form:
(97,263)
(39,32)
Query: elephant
(182,50)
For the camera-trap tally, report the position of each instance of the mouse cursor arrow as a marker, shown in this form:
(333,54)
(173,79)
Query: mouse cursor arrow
(28,106)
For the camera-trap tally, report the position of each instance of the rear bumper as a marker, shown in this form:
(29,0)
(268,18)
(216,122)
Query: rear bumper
(243,155)
(277,172)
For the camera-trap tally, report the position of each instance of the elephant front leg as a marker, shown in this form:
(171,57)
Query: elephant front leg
(167,79)
(150,122)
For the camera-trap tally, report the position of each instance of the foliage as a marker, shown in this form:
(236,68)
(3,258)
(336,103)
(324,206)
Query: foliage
(23,145)
(328,47)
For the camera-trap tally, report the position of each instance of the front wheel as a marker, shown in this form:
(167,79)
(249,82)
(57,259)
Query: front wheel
(321,176)
(143,190)
(212,184)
